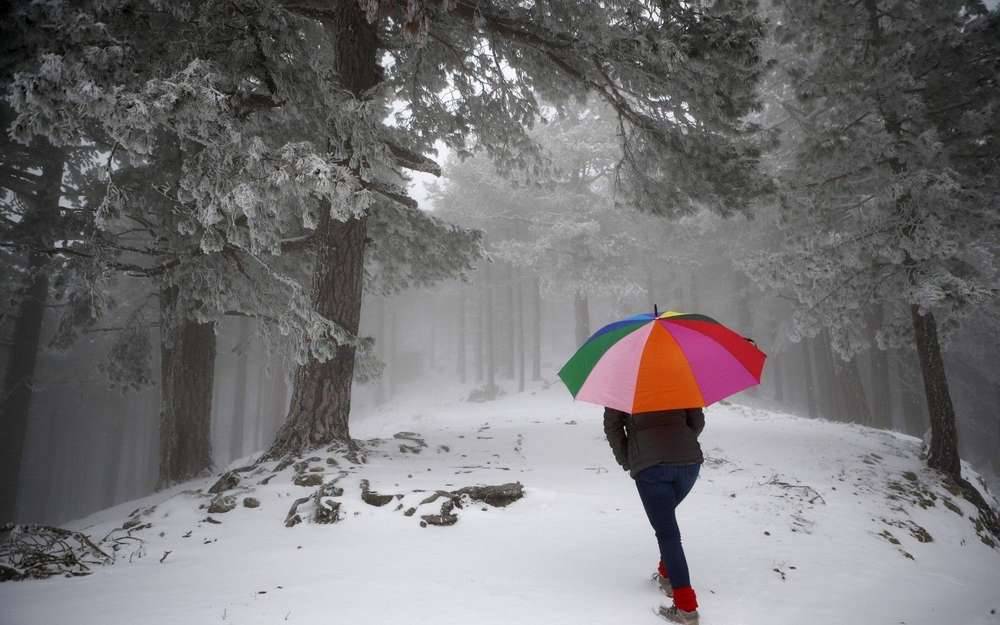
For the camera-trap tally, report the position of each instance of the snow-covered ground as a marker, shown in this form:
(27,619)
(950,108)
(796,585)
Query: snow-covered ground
(791,522)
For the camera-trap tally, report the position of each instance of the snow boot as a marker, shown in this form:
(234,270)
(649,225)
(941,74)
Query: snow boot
(674,614)
(685,608)
(663,583)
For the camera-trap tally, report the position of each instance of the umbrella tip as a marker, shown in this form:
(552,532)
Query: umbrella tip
(656,311)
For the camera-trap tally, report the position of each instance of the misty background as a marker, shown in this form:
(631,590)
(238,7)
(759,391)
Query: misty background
(559,218)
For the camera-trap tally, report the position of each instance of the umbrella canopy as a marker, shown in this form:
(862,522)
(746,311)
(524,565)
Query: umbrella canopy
(662,361)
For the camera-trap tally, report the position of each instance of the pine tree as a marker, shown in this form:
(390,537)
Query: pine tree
(279,111)
(890,200)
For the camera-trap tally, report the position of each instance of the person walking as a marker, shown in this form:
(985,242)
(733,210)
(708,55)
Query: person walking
(660,450)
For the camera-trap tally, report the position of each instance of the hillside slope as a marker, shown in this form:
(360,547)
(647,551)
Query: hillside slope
(792,521)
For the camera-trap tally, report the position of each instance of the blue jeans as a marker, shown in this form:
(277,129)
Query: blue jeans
(662,488)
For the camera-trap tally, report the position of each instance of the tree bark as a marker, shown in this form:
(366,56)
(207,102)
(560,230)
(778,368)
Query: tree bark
(944,431)
(321,395)
(15,402)
(187,373)
(321,391)
(582,309)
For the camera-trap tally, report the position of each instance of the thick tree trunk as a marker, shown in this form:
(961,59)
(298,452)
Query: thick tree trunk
(321,394)
(536,328)
(460,361)
(240,390)
(321,391)
(944,431)
(582,309)
(187,373)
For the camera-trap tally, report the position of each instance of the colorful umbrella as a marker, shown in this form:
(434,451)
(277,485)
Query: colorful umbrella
(662,361)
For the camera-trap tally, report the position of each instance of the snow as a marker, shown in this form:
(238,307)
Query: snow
(576,549)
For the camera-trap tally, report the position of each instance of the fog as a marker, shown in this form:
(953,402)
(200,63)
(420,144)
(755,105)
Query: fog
(89,446)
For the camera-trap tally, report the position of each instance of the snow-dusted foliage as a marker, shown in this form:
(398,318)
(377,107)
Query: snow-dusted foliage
(225,135)
(888,197)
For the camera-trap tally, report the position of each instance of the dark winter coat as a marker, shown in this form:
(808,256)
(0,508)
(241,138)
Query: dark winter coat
(646,438)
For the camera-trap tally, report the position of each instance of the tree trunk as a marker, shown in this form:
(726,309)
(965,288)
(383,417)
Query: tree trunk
(460,363)
(778,375)
(912,404)
(431,347)
(693,290)
(279,401)
(944,431)
(321,391)
(113,468)
(519,327)
(536,328)
(187,373)
(510,325)
(881,395)
(582,308)
(260,433)
(810,384)
(489,350)
(853,402)
(826,382)
(481,327)
(321,394)
(381,345)
(240,390)
(650,289)
(15,402)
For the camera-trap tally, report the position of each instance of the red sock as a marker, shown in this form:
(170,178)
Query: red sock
(662,569)
(685,599)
